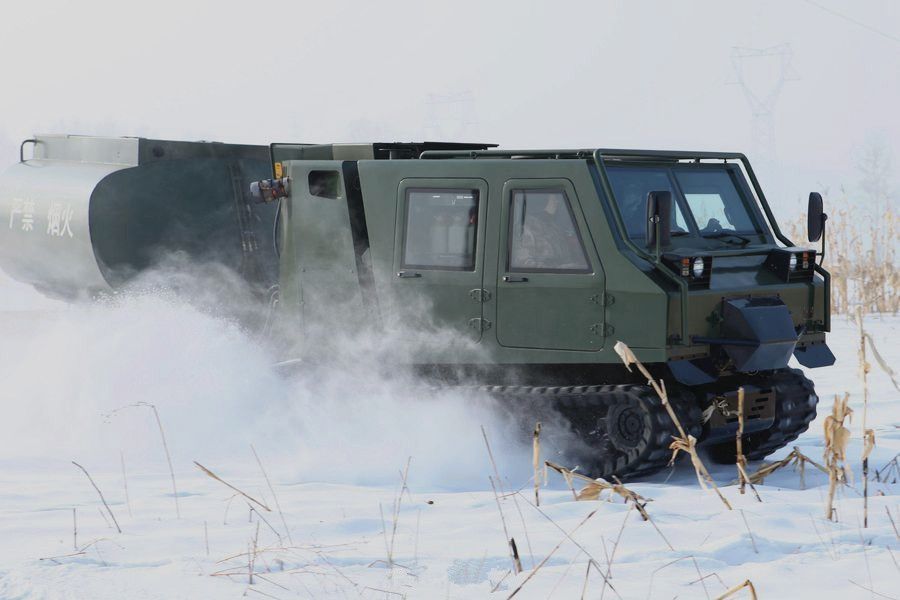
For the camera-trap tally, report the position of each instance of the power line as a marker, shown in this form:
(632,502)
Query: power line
(854,21)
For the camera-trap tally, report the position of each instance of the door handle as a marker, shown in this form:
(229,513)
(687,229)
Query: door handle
(408,274)
(514,279)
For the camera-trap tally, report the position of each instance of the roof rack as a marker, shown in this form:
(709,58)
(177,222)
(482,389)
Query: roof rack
(475,153)
(606,153)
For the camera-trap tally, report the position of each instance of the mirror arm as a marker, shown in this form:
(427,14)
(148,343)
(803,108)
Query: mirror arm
(655,220)
(822,254)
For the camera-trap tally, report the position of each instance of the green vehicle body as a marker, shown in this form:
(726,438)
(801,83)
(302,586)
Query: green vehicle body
(342,259)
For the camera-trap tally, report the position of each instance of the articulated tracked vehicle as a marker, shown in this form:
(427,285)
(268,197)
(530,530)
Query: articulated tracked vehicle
(524,268)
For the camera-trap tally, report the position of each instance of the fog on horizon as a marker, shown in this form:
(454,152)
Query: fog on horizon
(521,74)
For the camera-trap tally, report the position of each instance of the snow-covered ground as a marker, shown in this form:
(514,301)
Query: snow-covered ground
(335,465)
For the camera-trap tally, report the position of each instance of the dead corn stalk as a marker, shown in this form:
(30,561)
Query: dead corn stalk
(683,442)
(594,488)
(868,434)
(741,460)
(836,439)
(796,458)
(732,591)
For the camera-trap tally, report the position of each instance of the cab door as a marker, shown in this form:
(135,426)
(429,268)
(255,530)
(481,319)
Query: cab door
(439,255)
(550,288)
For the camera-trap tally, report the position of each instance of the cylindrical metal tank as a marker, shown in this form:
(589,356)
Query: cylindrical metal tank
(85,214)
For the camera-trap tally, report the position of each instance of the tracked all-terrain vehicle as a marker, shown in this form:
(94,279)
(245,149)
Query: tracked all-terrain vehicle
(525,268)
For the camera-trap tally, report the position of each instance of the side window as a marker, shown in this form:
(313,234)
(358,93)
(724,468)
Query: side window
(441,226)
(543,236)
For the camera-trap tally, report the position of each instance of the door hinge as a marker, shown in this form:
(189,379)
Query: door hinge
(602,299)
(603,329)
(480,295)
(479,324)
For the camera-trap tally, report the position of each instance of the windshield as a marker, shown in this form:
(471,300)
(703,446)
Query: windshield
(707,203)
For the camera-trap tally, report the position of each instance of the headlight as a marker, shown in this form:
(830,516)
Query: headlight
(697,269)
(792,264)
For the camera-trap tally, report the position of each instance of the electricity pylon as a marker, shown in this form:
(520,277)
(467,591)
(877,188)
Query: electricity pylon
(762,73)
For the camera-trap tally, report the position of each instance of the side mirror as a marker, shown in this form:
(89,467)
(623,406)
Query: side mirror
(815,219)
(659,218)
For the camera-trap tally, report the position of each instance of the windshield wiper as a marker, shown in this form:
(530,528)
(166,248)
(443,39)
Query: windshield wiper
(725,235)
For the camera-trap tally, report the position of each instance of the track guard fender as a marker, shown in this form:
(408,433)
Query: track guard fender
(816,355)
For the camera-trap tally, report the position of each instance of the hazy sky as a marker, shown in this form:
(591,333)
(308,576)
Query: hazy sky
(522,74)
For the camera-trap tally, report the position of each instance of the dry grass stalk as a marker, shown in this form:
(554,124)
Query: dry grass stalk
(871,591)
(795,457)
(893,524)
(75,528)
(251,555)
(536,462)
(162,435)
(836,439)
(99,493)
(206,537)
(274,496)
(732,591)
(752,539)
(612,555)
(700,577)
(684,443)
(889,471)
(550,555)
(103,516)
(266,521)
(587,574)
(575,542)
(896,564)
(500,581)
(396,514)
(517,566)
(222,481)
(490,452)
(739,441)
(55,559)
(524,526)
(387,548)
(125,483)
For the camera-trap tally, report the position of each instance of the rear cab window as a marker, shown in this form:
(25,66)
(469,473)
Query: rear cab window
(440,229)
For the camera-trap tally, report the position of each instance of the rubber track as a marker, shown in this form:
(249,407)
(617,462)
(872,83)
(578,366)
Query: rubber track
(795,409)
(582,407)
